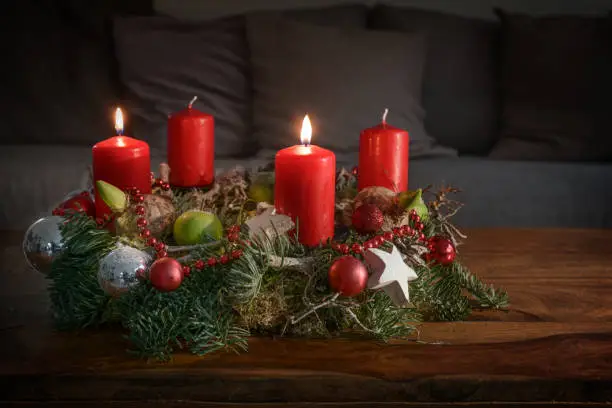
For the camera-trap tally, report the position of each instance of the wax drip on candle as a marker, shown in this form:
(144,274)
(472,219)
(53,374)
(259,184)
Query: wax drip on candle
(195,98)
(384,117)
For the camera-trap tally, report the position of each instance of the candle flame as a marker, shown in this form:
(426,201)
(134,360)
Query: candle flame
(306,133)
(119,121)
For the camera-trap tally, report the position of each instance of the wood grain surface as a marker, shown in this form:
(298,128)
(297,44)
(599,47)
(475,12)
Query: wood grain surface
(554,345)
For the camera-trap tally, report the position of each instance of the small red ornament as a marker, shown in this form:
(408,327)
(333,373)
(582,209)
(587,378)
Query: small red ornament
(367,218)
(348,276)
(441,250)
(199,264)
(166,274)
(186,270)
(357,248)
(81,203)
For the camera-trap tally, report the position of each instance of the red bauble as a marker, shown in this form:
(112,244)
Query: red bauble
(81,203)
(367,218)
(166,274)
(441,250)
(348,276)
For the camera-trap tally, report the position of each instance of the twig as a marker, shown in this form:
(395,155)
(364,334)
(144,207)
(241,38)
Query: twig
(329,302)
(303,264)
(186,248)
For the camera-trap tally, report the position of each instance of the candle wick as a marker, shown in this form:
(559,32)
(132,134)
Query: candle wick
(195,98)
(384,117)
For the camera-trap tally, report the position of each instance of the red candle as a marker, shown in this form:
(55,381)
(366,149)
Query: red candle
(121,161)
(191,148)
(383,157)
(305,187)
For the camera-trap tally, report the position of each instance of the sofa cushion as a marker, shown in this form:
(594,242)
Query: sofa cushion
(165,62)
(556,88)
(59,82)
(343,77)
(460,94)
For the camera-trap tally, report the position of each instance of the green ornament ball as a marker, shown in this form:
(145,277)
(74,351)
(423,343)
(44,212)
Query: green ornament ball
(195,227)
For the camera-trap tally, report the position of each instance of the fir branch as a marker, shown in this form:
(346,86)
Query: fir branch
(77,300)
(486,295)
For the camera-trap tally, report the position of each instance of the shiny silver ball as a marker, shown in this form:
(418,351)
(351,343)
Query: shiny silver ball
(120,270)
(42,243)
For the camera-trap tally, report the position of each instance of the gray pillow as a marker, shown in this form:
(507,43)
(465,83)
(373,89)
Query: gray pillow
(460,91)
(344,78)
(165,62)
(556,88)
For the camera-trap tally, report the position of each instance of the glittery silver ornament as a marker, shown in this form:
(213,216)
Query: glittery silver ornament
(42,243)
(120,269)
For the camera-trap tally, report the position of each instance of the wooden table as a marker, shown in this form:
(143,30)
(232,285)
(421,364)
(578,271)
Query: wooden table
(555,344)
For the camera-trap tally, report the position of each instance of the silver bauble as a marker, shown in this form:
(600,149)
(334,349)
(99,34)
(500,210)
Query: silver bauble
(120,269)
(42,243)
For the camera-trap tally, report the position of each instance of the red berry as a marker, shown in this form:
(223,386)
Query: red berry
(145,233)
(151,241)
(99,221)
(355,171)
(162,254)
(141,222)
(344,248)
(419,226)
(398,232)
(236,253)
(160,246)
(139,198)
(379,240)
(211,261)
(199,264)
(139,210)
(233,237)
(422,237)
(134,191)
(413,213)
(55,211)
(357,248)
(406,230)
(388,236)
(368,244)
(186,270)
(224,259)
(165,186)
(246,242)
(367,218)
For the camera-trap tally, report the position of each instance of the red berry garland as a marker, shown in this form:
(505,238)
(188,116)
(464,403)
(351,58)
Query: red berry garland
(367,218)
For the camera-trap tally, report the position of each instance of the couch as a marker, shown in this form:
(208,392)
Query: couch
(519,158)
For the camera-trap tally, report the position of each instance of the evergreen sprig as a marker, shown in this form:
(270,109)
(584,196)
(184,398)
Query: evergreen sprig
(77,300)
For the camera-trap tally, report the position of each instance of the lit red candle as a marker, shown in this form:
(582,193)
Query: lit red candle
(191,148)
(383,157)
(305,188)
(121,161)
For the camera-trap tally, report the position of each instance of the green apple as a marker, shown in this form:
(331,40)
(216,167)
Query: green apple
(413,200)
(195,227)
(261,189)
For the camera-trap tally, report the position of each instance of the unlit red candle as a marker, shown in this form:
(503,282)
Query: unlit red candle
(121,161)
(191,148)
(383,157)
(305,188)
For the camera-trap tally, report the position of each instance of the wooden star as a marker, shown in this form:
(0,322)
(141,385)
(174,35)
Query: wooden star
(390,273)
(269,223)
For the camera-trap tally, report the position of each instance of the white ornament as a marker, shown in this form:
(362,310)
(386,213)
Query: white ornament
(269,223)
(390,273)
